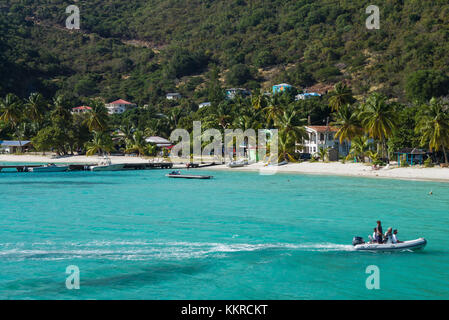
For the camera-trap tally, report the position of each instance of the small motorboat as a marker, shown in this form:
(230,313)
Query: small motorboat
(411,245)
(177,174)
(105,164)
(50,167)
(237,164)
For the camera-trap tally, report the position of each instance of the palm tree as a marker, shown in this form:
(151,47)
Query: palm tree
(290,131)
(347,122)
(126,130)
(35,107)
(97,117)
(286,147)
(100,143)
(274,109)
(221,117)
(379,119)
(433,125)
(323,153)
(138,143)
(11,113)
(374,156)
(341,96)
(259,100)
(360,146)
(60,110)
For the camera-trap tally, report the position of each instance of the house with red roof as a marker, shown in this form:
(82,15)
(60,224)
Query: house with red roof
(81,109)
(119,106)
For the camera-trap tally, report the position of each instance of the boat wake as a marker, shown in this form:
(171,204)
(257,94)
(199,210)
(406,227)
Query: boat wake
(145,251)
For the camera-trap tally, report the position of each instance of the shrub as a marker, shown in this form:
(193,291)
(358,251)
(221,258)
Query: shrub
(428,163)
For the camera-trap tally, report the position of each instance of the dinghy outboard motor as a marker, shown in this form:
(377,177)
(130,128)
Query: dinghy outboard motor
(357,240)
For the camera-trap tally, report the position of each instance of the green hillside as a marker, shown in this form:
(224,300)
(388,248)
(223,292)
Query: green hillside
(143,48)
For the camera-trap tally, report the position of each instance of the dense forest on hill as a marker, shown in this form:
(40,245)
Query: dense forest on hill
(141,49)
(389,85)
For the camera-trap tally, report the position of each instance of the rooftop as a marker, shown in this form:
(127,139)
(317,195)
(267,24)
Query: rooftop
(159,141)
(282,85)
(120,101)
(323,128)
(414,151)
(82,108)
(8,143)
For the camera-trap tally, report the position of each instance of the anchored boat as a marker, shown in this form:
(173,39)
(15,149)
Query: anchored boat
(105,164)
(411,245)
(177,174)
(51,167)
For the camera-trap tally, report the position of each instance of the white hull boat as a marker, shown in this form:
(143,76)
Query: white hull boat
(411,245)
(49,168)
(237,164)
(110,167)
(105,164)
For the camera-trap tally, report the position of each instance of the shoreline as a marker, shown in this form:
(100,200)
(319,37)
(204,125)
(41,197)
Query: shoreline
(356,170)
(435,174)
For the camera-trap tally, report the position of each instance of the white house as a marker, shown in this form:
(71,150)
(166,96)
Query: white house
(81,109)
(7,146)
(204,104)
(307,95)
(173,96)
(322,137)
(119,106)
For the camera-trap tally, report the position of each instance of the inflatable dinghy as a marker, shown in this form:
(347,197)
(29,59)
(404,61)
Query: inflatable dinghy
(411,245)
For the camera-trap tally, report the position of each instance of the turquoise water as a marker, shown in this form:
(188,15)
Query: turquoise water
(140,235)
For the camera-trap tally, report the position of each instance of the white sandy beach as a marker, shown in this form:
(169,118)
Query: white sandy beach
(332,168)
(349,169)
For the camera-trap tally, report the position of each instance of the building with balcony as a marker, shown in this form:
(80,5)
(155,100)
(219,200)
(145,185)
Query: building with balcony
(119,106)
(322,137)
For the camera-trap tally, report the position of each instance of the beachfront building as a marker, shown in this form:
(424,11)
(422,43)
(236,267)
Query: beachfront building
(119,106)
(204,104)
(231,93)
(281,88)
(307,95)
(412,156)
(322,137)
(81,110)
(8,146)
(173,96)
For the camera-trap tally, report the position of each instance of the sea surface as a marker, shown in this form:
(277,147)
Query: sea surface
(140,235)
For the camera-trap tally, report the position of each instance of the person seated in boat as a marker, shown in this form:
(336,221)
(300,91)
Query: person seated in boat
(395,237)
(374,238)
(379,233)
(389,235)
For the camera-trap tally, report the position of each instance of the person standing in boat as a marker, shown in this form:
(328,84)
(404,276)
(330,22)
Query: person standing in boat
(379,233)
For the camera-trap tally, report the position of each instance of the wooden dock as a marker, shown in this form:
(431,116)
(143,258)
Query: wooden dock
(85,166)
(128,166)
